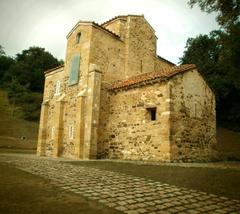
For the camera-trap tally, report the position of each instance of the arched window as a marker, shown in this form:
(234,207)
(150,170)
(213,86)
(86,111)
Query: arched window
(78,38)
(58,88)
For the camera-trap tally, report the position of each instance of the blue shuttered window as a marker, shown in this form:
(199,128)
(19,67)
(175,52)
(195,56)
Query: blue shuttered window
(74,72)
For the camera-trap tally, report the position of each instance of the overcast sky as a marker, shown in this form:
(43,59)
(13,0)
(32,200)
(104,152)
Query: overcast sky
(46,23)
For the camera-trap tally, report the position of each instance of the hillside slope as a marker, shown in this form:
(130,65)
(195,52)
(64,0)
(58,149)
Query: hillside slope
(15,132)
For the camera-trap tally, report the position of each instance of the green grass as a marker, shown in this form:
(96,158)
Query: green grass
(21,151)
(12,128)
(22,193)
(224,182)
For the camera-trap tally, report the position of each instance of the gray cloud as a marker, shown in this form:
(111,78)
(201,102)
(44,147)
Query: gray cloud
(46,23)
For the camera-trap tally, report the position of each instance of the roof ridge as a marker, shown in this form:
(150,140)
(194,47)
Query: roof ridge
(93,23)
(161,74)
(106,29)
(119,16)
(161,58)
(53,69)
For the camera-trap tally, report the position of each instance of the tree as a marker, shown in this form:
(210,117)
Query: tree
(223,74)
(15,93)
(33,62)
(228,10)
(23,77)
(5,63)
(216,56)
(2,52)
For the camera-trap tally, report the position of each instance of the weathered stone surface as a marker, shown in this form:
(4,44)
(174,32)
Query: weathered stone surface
(165,119)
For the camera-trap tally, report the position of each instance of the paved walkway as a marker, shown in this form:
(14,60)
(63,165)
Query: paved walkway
(123,192)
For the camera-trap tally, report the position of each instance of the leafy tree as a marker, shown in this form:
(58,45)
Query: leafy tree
(5,63)
(33,62)
(31,105)
(222,67)
(23,77)
(228,10)
(15,93)
(216,56)
(20,71)
(2,52)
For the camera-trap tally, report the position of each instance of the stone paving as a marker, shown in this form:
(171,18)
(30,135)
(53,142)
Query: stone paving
(129,194)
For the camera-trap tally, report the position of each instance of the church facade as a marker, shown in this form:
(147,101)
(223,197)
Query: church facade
(115,98)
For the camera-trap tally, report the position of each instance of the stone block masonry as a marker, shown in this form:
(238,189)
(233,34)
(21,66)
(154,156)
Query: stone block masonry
(116,98)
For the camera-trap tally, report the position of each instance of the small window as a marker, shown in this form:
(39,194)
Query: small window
(70,133)
(78,38)
(52,133)
(195,110)
(152,113)
(58,87)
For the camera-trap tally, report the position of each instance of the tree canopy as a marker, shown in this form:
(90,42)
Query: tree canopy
(29,67)
(23,78)
(217,57)
(228,10)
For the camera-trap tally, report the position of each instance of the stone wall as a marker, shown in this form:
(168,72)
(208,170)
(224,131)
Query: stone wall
(193,119)
(118,26)
(107,52)
(86,120)
(140,49)
(160,64)
(71,97)
(48,117)
(129,132)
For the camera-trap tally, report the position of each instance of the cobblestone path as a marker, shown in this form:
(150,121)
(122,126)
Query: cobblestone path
(126,193)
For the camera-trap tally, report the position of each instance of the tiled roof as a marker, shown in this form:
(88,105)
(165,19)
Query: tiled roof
(162,74)
(53,69)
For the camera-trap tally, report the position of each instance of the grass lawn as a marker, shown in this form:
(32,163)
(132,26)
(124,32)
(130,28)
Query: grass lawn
(22,193)
(224,182)
(22,151)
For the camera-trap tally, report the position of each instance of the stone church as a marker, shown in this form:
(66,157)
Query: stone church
(115,98)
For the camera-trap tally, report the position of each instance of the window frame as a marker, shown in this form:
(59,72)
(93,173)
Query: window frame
(151,113)
(58,88)
(53,133)
(78,37)
(71,132)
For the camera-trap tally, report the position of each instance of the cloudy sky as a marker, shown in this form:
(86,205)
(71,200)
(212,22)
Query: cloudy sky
(46,23)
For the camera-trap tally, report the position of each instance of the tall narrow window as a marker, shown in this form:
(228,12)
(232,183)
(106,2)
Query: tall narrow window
(78,38)
(58,88)
(70,132)
(52,133)
(152,113)
(195,110)
(74,71)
